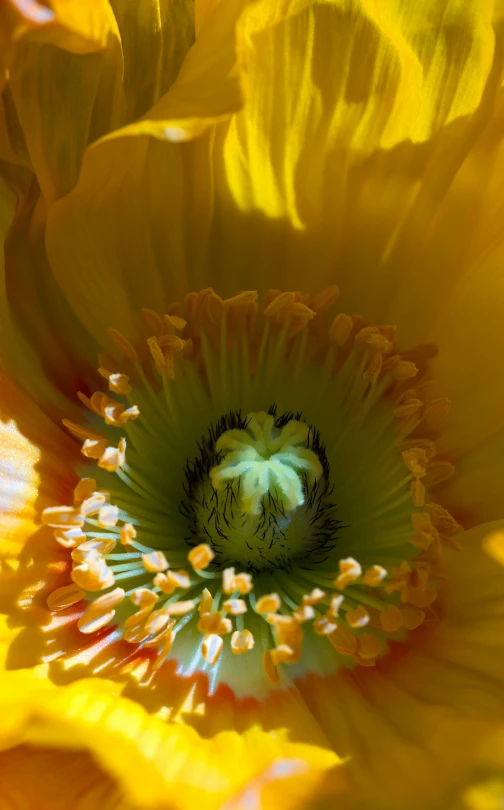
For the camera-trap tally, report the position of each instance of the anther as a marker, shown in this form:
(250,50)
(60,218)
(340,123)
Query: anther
(269,603)
(350,571)
(242,641)
(358,617)
(154,561)
(201,556)
(211,648)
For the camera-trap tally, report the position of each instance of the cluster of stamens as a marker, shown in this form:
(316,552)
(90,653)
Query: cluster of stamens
(354,606)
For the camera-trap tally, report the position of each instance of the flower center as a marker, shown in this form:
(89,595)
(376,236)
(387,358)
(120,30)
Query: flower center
(297,533)
(258,493)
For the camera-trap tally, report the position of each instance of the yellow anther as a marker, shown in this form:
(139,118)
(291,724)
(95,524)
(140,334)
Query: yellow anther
(139,617)
(369,646)
(143,597)
(172,342)
(113,457)
(174,323)
(158,621)
(180,608)
(206,602)
(65,597)
(435,411)
(270,668)
(391,619)
(93,546)
(214,623)
(69,538)
(324,626)
(445,524)
(118,383)
(242,641)
(418,597)
(374,576)
(280,303)
(209,622)
(357,617)
(350,571)
(313,598)
(336,602)
(282,654)
(166,637)
(93,574)
(266,459)
(154,561)
(412,617)
(409,410)
(341,329)
(415,460)
(108,516)
(136,635)
(171,580)
(302,614)
(62,517)
(107,601)
(281,621)
(84,489)
(127,534)
(371,337)
(231,582)
(235,606)
(228,578)
(157,354)
(92,504)
(343,640)
(211,648)
(404,370)
(269,603)
(94,448)
(201,556)
(91,620)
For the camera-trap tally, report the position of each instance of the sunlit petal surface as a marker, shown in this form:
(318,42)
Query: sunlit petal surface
(251,405)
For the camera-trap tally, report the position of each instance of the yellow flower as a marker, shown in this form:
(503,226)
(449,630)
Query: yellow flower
(252,431)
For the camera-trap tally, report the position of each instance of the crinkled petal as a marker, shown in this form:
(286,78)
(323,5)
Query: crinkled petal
(158,763)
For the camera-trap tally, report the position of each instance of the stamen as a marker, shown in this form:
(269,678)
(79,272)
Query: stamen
(211,648)
(242,641)
(261,494)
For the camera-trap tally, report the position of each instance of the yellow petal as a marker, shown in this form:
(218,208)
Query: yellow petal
(79,26)
(155,38)
(152,760)
(419,720)
(130,188)
(65,779)
(305,74)
(63,94)
(32,450)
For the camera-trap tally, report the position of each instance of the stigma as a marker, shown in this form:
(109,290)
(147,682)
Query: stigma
(259,490)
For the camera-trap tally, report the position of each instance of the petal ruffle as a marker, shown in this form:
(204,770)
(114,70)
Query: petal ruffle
(155,763)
